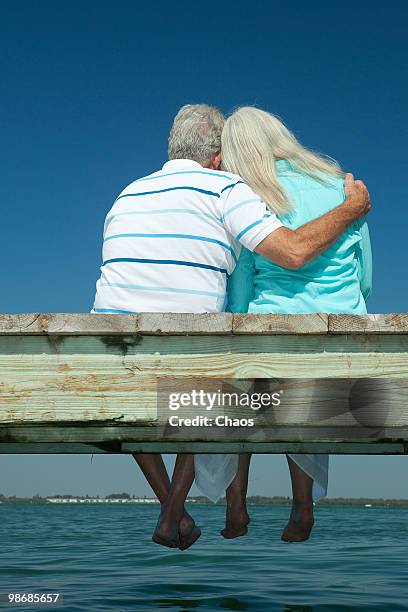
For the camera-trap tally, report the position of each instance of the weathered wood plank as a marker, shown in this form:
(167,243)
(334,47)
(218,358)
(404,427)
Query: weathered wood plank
(280,324)
(45,448)
(67,323)
(369,324)
(126,398)
(332,448)
(108,324)
(176,323)
(213,365)
(118,345)
(113,435)
(113,387)
(208,323)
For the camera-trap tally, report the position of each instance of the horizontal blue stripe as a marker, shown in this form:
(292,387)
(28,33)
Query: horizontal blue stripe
(163,289)
(232,185)
(112,310)
(182,236)
(244,231)
(144,193)
(188,211)
(251,201)
(215,174)
(173,262)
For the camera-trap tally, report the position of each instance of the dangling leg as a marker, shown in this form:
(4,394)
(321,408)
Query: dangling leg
(237,518)
(301,520)
(154,470)
(171,529)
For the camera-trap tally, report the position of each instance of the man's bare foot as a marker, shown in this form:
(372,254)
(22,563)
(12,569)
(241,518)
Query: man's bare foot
(236,523)
(188,531)
(173,533)
(188,540)
(167,530)
(300,523)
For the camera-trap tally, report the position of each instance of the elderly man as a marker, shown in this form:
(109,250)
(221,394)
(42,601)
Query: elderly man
(170,241)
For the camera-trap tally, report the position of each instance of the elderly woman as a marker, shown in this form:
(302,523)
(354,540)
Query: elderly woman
(297,185)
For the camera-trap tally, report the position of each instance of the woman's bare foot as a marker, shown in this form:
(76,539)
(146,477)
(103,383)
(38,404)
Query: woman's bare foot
(300,523)
(188,531)
(236,521)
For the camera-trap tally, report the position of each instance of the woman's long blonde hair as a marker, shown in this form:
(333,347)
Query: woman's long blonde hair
(253,140)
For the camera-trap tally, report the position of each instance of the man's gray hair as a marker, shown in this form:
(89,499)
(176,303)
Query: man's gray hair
(196,133)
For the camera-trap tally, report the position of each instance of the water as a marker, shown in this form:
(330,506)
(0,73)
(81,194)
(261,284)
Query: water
(102,558)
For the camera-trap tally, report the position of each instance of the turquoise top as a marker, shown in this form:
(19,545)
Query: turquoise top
(338,281)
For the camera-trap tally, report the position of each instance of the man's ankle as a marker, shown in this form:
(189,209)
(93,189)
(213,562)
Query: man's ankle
(303,502)
(173,509)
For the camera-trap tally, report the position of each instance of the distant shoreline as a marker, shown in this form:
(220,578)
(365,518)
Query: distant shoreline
(125,498)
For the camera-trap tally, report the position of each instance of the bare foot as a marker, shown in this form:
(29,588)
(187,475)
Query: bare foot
(188,531)
(188,540)
(236,522)
(300,524)
(167,530)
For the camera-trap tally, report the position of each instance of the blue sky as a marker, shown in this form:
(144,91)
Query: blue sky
(89,90)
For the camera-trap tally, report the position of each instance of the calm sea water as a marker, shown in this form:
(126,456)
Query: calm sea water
(102,558)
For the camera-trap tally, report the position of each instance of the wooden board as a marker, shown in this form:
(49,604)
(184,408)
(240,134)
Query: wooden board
(117,345)
(200,324)
(110,387)
(113,435)
(332,448)
(280,324)
(369,324)
(107,324)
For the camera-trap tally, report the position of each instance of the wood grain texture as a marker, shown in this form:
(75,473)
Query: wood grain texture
(369,324)
(108,324)
(280,324)
(45,448)
(67,323)
(178,323)
(135,345)
(199,324)
(332,448)
(116,438)
(110,387)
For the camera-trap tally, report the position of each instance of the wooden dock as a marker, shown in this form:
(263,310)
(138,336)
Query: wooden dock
(86,383)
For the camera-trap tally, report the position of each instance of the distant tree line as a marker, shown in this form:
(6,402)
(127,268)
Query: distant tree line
(254,499)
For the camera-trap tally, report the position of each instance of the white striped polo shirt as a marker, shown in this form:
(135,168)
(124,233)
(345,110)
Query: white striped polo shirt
(172,239)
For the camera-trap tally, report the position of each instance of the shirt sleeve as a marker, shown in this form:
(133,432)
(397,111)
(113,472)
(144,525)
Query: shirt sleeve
(245,215)
(365,261)
(363,254)
(241,283)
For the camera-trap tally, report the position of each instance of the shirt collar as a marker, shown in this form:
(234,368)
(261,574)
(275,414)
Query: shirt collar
(180,164)
(283,164)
